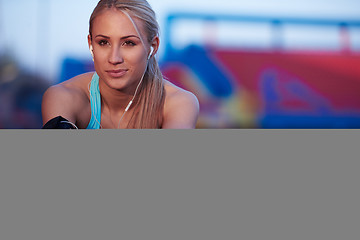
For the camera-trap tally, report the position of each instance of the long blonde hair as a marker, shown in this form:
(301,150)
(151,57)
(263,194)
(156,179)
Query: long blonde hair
(151,96)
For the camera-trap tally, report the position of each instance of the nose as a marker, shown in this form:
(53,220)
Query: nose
(115,56)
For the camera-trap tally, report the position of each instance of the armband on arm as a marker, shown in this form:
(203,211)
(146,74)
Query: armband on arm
(59,123)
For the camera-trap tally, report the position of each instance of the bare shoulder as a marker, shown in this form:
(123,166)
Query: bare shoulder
(178,96)
(66,98)
(181,107)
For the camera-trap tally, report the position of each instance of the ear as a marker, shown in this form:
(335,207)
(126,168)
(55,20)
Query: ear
(155,45)
(91,47)
(89,40)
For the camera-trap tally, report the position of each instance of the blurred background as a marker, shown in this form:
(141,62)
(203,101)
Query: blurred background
(252,64)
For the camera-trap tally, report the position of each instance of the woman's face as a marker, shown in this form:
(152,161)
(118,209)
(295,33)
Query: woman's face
(119,55)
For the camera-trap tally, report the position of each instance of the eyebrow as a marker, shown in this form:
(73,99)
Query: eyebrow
(125,37)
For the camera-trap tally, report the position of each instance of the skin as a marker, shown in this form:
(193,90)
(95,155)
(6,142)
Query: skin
(117,47)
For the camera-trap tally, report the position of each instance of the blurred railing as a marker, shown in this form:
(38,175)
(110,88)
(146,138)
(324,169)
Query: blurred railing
(276,23)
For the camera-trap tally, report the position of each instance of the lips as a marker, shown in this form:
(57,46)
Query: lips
(117,73)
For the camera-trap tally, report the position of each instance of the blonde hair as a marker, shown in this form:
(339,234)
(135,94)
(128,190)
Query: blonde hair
(151,96)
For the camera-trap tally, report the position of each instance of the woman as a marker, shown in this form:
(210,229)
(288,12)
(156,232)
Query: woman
(127,89)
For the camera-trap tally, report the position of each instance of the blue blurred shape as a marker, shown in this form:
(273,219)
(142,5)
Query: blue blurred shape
(286,121)
(72,67)
(316,113)
(202,63)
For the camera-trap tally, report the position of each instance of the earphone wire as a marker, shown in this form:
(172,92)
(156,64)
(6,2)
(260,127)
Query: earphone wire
(131,101)
(72,124)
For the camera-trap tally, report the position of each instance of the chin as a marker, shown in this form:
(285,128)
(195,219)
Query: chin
(121,84)
(117,84)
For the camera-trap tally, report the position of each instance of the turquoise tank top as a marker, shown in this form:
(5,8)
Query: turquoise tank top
(95,101)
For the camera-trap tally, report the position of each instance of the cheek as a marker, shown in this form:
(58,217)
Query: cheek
(136,61)
(101,54)
(100,57)
(135,56)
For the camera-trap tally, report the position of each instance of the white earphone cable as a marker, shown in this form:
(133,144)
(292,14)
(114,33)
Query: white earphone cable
(72,124)
(131,101)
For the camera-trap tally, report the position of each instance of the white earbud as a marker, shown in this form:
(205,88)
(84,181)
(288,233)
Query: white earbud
(92,52)
(151,52)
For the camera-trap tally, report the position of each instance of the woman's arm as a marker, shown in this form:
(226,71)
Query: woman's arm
(181,110)
(59,100)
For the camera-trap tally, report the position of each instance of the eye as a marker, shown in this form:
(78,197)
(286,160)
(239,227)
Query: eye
(129,43)
(103,42)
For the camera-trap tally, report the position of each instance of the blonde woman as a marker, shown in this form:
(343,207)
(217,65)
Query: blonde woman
(127,89)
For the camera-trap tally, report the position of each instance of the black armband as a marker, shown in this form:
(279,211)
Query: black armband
(59,123)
